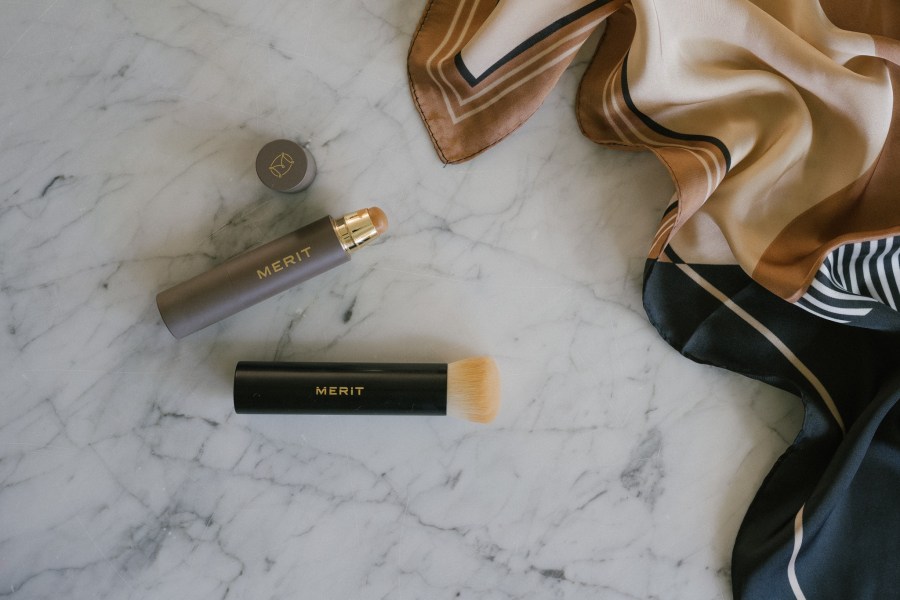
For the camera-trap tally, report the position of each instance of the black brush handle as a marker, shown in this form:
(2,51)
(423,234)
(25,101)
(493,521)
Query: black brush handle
(318,388)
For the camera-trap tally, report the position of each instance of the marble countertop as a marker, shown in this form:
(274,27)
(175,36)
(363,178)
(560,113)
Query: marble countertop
(128,133)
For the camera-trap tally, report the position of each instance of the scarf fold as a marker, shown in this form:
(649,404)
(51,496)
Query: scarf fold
(778,256)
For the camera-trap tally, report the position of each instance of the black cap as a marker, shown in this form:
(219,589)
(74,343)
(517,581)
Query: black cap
(285,166)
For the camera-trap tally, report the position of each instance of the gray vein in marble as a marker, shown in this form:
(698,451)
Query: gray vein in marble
(644,473)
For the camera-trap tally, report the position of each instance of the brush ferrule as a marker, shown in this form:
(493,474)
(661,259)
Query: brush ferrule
(355,229)
(340,388)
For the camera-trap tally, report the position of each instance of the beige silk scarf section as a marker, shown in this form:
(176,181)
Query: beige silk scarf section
(774,118)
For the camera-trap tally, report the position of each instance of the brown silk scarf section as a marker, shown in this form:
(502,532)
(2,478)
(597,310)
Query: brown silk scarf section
(465,119)
(775,119)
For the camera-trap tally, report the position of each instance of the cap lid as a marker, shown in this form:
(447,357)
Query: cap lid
(285,166)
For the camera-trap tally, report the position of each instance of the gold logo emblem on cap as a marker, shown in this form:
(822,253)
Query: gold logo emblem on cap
(281,165)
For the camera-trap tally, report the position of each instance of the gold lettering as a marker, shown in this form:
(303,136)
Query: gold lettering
(284,263)
(339,390)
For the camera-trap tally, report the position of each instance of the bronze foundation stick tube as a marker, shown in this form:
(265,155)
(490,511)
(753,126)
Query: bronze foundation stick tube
(266,270)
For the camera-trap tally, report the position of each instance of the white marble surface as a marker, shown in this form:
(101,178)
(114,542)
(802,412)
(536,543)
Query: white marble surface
(128,130)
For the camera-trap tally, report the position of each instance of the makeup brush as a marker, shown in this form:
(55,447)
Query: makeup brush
(467,389)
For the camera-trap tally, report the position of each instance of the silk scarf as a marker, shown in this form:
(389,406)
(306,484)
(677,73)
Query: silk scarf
(778,256)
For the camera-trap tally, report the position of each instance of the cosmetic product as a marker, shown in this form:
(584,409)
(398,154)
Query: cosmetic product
(285,166)
(266,270)
(467,389)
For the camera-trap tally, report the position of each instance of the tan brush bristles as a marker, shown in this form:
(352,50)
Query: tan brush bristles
(473,389)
